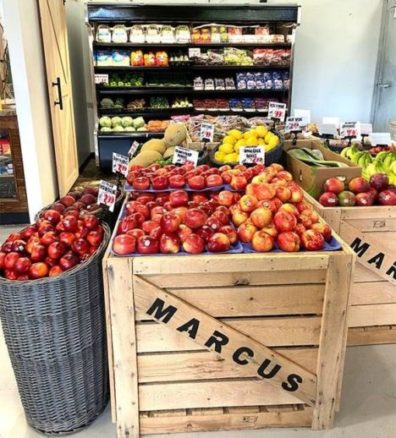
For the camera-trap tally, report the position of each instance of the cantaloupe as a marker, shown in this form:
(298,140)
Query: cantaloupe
(155,144)
(169,152)
(175,134)
(145,158)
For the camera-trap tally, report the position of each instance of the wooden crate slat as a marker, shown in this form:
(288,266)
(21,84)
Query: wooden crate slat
(206,365)
(277,332)
(212,394)
(371,315)
(253,300)
(146,294)
(374,212)
(379,292)
(220,279)
(384,334)
(229,263)
(373,225)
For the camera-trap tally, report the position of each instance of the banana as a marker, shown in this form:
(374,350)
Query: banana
(344,152)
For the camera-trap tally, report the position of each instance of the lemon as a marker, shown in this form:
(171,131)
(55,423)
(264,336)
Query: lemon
(226,148)
(240,143)
(261,131)
(231,158)
(238,147)
(219,156)
(229,139)
(251,141)
(236,133)
(273,143)
(268,137)
(250,133)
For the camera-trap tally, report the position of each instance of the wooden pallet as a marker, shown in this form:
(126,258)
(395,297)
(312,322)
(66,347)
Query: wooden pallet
(372,233)
(176,327)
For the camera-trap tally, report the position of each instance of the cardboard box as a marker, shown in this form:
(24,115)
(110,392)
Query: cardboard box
(312,178)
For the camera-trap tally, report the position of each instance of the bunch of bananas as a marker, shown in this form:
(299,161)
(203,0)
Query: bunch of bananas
(383,162)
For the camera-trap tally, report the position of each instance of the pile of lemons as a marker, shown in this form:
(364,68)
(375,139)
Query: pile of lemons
(259,136)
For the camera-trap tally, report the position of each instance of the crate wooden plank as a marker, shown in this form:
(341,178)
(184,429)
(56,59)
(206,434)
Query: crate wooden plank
(206,365)
(374,254)
(282,373)
(188,395)
(124,346)
(379,292)
(237,278)
(376,314)
(229,263)
(372,335)
(374,212)
(277,332)
(206,423)
(374,225)
(332,340)
(253,300)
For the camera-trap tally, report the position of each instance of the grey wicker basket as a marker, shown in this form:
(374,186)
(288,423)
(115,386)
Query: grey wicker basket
(55,333)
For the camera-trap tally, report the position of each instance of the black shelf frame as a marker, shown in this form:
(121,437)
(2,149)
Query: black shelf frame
(188,68)
(148,91)
(99,45)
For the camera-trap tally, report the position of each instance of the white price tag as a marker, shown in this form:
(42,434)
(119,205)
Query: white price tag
(380,139)
(327,129)
(331,121)
(206,132)
(107,194)
(182,155)
(133,149)
(120,164)
(349,129)
(277,110)
(366,128)
(294,124)
(305,114)
(102,79)
(194,52)
(251,155)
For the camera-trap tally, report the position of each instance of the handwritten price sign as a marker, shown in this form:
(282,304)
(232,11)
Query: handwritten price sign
(277,110)
(107,194)
(206,132)
(102,79)
(251,155)
(182,155)
(349,129)
(294,124)
(120,164)
(133,149)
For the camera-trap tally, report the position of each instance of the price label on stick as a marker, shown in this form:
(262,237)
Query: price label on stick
(102,79)
(327,129)
(277,110)
(206,132)
(251,155)
(331,121)
(120,164)
(294,124)
(133,149)
(366,128)
(349,129)
(380,139)
(194,52)
(305,114)
(107,194)
(183,155)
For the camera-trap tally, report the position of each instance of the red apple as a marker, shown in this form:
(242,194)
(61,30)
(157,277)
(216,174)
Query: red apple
(70,223)
(58,206)
(67,200)
(346,199)
(2,257)
(358,185)
(238,182)
(312,240)
(387,197)
(54,271)
(222,216)
(183,232)
(38,270)
(68,261)
(196,182)
(67,238)
(248,203)
(214,181)
(194,244)
(29,231)
(246,232)
(90,221)
(328,199)
(271,230)
(56,250)
(283,193)
(126,224)
(147,245)
(272,205)
(262,242)
(29,244)
(195,218)
(14,236)
(226,198)
(297,195)
(95,237)
(284,174)
(19,246)
(169,244)
(44,227)
(301,206)
(10,274)
(52,216)
(170,223)
(138,218)
(214,223)
(334,185)
(261,217)
(10,260)
(124,244)
(284,221)
(219,242)
(88,199)
(177,181)
(178,198)
(265,191)
(38,253)
(289,241)
(205,232)
(239,217)
(136,233)
(80,246)
(365,199)
(199,198)
(50,262)
(160,182)
(379,181)
(300,229)
(323,229)
(141,183)
(49,237)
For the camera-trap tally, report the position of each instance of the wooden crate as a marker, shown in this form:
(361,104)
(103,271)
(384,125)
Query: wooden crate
(169,374)
(371,231)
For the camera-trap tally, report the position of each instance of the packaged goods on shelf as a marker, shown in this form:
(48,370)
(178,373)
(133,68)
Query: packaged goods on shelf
(136,34)
(119,34)
(279,57)
(103,34)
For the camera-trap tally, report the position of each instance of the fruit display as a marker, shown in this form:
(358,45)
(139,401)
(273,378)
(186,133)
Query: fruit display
(314,157)
(377,149)
(359,192)
(383,162)
(260,136)
(54,244)
(122,124)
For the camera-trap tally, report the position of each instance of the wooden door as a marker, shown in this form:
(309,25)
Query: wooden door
(56,53)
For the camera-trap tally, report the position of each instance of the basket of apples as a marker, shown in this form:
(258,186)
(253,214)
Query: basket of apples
(52,313)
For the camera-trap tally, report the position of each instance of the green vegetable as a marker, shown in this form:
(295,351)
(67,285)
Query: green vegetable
(138,122)
(107,103)
(129,129)
(127,121)
(105,122)
(105,129)
(116,121)
(302,155)
(118,128)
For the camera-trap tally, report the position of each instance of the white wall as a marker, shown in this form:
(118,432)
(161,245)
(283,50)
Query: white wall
(27,66)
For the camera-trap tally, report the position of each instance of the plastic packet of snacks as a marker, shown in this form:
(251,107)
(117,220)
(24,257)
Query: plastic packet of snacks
(268,82)
(277,38)
(259,78)
(153,33)
(182,34)
(136,34)
(168,34)
(241,81)
(103,34)
(250,81)
(119,34)
(229,83)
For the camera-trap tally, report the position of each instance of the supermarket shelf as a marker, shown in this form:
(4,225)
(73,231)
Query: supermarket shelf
(109,68)
(138,134)
(183,91)
(6,175)
(184,111)
(99,45)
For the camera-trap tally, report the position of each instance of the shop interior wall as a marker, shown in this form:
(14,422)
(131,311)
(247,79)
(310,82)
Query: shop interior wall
(335,57)
(22,30)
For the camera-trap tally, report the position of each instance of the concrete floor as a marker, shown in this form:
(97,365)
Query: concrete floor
(368,404)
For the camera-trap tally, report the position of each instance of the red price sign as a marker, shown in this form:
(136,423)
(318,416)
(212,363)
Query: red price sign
(349,129)
(294,124)
(120,164)
(107,194)
(251,155)
(277,110)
